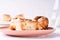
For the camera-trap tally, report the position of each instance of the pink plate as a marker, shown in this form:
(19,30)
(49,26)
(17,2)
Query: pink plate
(28,32)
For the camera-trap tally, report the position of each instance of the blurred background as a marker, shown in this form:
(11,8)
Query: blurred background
(32,8)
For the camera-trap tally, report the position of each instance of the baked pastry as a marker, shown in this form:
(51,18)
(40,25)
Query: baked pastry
(42,21)
(29,24)
(16,22)
(23,24)
(39,23)
(6,17)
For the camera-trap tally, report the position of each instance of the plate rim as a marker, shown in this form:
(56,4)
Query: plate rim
(13,31)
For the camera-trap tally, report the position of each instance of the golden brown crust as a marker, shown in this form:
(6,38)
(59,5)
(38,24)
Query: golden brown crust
(30,24)
(12,27)
(43,21)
